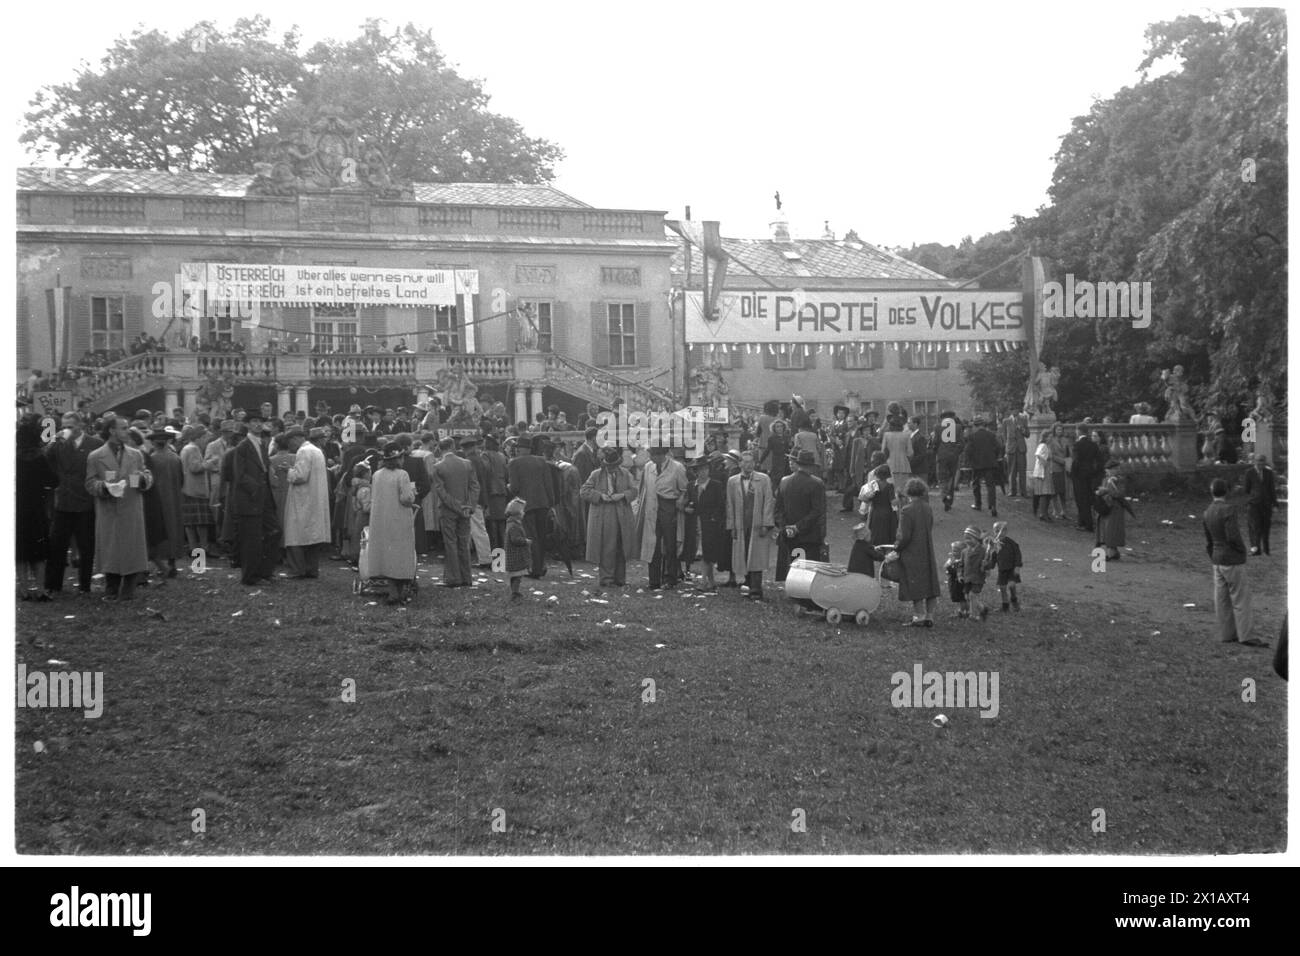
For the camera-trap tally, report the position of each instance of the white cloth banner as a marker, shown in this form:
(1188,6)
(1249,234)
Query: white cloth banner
(844,316)
(332,285)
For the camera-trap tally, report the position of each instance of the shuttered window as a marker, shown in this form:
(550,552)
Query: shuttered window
(107,322)
(621,329)
(542,314)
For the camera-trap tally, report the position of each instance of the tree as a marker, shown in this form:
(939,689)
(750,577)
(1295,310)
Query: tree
(997,380)
(198,101)
(212,101)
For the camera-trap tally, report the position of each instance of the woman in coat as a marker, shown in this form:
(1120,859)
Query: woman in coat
(914,551)
(1060,467)
(35,480)
(608,492)
(391,548)
(1040,481)
(775,461)
(163,510)
(711,509)
(1110,526)
(878,496)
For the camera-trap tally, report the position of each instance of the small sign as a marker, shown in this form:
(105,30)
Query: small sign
(53,403)
(705,414)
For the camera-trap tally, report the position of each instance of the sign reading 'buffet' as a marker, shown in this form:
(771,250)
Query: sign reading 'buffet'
(940,315)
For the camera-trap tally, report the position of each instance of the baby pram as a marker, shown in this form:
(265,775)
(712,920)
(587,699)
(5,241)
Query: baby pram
(363,583)
(818,586)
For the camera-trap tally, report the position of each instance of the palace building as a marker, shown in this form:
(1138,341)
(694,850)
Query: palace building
(319,280)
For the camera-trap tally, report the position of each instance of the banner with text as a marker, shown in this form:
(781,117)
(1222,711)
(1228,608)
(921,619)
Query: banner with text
(331,285)
(844,316)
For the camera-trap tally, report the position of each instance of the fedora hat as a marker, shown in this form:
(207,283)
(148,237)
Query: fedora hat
(806,459)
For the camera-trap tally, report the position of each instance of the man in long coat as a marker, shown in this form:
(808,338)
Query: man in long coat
(116,477)
(750,519)
(1261,497)
(74,509)
(660,516)
(801,514)
(1087,470)
(530,479)
(307,504)
(252,506)
(455,485)
(607,493)
(166,537)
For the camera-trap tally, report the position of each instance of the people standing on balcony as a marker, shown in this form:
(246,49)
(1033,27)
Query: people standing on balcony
(116,477)
(530,479)
(74,508)
(1261,498)
(252,505)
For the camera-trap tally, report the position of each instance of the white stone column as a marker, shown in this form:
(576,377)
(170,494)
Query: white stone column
(471,330)
(300,399)
(190,405)
(535,405)
(282,401)
(171,399)
(521,403)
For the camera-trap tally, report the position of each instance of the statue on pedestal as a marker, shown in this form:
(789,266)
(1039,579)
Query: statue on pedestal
(708,387)
(1263,410)
(1042,392)
(1180,409)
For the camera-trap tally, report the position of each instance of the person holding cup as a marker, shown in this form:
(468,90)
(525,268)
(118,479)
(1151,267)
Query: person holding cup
(116,478)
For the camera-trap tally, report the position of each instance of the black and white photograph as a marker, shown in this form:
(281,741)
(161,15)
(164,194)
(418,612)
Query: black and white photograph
(758,432)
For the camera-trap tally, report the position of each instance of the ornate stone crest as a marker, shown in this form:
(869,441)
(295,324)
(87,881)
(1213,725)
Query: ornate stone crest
(327,156)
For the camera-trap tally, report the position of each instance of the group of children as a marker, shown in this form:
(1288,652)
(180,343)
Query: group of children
(968,564)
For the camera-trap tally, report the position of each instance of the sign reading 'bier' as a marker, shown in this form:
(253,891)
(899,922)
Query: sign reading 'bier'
(844,316)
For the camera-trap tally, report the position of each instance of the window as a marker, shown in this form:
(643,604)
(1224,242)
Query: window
(790,358)
(727,359)
(926,411)
(860,359)
(334,329)
(540,311)
(107,322)
(212,320)
(866,408)
(924,359)
(446,328)
(622,333)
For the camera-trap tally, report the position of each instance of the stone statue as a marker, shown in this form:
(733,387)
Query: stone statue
(1180,409)
(708,387)
(1042,391)
(459,396)
(527,341)
(1263,410)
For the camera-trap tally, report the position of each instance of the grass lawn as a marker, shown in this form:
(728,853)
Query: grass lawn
(1112,695)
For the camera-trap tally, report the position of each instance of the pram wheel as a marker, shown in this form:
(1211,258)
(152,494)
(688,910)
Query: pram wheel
(862,618)
(833,616)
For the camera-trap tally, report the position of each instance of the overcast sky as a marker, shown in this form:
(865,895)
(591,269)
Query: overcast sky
(909,122)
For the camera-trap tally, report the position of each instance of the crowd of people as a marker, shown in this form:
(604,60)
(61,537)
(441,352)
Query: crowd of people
(133,497)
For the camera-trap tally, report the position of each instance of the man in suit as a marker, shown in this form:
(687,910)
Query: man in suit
(801,514)
(496,492)
(455,484)
(471,448)
(116,479)
(529,478)
(750,516)
(74,508)
(1261,497)
(252,505)
(982,453)
(947,445)
(1015,431)
(663,499)
(1085,474)
(1228,556)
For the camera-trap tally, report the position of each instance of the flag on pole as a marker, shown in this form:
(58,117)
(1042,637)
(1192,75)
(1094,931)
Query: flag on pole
(59,302)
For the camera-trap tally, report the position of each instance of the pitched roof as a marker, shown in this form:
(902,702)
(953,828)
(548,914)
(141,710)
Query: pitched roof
(234,185)
(817,258)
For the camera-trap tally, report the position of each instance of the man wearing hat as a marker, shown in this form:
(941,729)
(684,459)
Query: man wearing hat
(252,505)
(74,508)
(306,506)
(495,491)
(472,449)
(801,514)
(1261,498)
(116,478)
(164,525)
(456,488)
(750,517)
(530,479)
(196,487)
(607,492)
(391,551)
(660,517)
(982,453)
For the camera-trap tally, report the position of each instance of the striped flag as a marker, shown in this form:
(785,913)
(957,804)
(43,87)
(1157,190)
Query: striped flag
(59,303)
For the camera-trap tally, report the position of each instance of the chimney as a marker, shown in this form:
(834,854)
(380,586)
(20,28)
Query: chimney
(780,230)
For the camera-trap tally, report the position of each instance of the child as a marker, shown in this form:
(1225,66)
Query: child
(863,557)
(1005,556)
(518,545)
(974,556)
(956,589)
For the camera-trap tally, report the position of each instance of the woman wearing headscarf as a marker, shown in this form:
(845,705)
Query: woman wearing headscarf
(914,551)
(877,497)
(163,509)
(391,548)
(1110,505)
(196,492)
